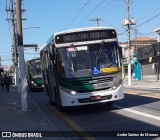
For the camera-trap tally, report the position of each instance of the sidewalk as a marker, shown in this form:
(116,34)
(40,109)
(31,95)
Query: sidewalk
(142,84)
(147,88)
(12,118)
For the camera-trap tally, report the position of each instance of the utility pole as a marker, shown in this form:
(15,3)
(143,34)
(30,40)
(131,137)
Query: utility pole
(129,44)
(127,22)
(23,80)
(0,61)
(15,48)
(96,19)
(14,43)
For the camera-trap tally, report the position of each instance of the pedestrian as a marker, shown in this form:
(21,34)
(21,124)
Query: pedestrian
(2,82)
(6,82)
(10,81)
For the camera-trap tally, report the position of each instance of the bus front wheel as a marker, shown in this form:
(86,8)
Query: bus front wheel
(52,102)
(61,108)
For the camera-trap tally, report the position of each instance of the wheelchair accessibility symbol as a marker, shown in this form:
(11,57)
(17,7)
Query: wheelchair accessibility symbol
(96,70)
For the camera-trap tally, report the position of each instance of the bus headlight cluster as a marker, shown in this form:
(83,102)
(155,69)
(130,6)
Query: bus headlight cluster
(114,87)
(33,83)
(117,85)
(71,92)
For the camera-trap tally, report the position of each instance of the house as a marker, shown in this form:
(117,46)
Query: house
(146,44)
(135,43)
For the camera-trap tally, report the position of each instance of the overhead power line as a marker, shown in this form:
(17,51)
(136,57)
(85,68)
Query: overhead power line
(108,8)
(148,20)
(105,7)
(96,19)
(113,26)
(78,13)
(91,12)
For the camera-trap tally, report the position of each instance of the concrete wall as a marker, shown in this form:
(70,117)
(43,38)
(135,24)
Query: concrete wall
(148,71)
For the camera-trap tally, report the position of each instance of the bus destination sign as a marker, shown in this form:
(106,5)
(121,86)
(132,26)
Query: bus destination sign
(85,36)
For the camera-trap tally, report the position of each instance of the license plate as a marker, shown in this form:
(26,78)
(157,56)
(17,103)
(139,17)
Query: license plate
(100,85)
(98,97)
(104,84)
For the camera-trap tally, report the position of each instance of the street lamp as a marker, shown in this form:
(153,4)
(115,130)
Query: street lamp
(31,45)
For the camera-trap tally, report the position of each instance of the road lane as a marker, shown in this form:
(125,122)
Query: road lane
(139,113)
(144,104)
(101,118)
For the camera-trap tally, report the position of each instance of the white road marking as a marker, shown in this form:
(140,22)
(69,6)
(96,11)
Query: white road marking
(138,113)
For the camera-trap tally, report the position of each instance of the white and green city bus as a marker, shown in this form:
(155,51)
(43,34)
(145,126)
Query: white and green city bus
(82,66)
(34,74)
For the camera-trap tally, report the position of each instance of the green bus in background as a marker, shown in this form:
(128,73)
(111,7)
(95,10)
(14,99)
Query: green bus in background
(34,75)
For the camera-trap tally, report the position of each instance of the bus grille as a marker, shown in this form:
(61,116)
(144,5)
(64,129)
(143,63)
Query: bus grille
(92,81)
(87,100)
(94,90)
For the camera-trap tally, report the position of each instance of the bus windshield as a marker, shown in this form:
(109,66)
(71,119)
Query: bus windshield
(36,67)
(89,60)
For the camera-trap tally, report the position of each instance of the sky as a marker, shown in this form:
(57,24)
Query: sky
(45,17)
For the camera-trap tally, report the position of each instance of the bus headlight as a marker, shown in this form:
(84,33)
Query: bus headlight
(117,85)
(114,87)
(71,92)
(33,83)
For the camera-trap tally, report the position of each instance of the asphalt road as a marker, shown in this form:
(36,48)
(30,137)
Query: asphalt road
(134,115)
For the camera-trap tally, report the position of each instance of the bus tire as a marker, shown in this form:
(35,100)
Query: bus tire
(109,104)
(52,102)
(61,108)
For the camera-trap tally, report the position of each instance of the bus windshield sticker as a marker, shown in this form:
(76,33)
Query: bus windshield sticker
(73,49)
(114,69)
(37,61)
(96,70)
(82,48)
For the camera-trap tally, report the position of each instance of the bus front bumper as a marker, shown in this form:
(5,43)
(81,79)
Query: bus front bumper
(92,97)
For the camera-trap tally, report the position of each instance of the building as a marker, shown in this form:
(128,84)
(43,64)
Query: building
(146,64)
(157,30)
(136,43)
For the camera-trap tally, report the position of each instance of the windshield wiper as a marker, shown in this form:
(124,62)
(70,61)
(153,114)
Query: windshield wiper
(109,65)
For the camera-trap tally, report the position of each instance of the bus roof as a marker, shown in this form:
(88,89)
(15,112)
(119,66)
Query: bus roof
(83,29)
(41,48)
(73,30)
